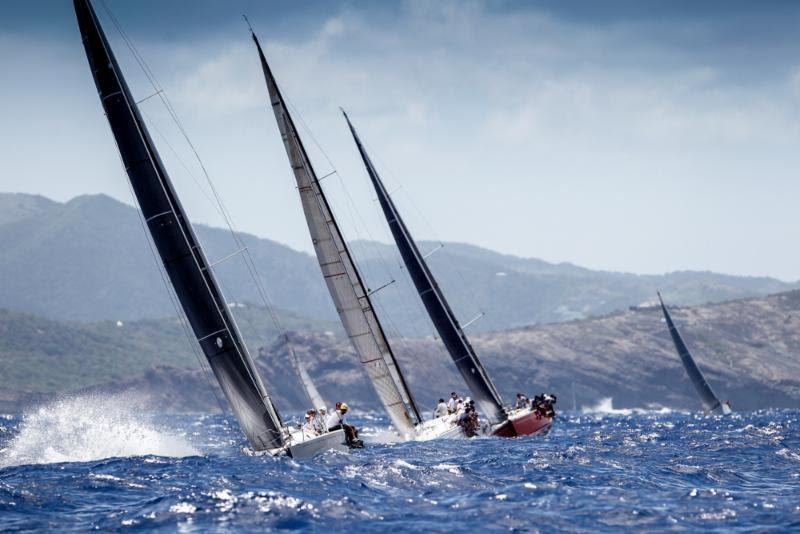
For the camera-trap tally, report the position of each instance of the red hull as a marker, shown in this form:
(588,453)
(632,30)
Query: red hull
(526,424)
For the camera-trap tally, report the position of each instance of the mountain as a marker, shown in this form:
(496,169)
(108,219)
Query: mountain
(748,350)
(88,260)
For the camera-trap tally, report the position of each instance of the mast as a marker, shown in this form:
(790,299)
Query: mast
(453,337)
(707,396)
(344,282)
(172,234)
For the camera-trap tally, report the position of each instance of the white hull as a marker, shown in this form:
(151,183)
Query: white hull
(302,445)
(440,428)
(306,447)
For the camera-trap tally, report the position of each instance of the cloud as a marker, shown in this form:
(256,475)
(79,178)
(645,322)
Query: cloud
(536,130)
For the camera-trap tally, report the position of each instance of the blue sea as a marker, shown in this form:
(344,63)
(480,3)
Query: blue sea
(99,463)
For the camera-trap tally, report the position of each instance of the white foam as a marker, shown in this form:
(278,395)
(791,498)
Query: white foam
(606,406)
(90,427)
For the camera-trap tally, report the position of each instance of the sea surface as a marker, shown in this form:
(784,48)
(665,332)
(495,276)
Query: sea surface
(99,463)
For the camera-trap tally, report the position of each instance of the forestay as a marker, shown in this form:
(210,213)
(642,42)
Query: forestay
(453,337)
(175,241)
(341,276)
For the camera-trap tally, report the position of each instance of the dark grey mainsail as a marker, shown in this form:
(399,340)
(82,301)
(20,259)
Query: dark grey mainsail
(172,234)
(707,397)
(344,282)
(453,337)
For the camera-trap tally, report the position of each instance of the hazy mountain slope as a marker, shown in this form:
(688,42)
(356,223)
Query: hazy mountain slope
(748,350)
(516,292)
(88,260)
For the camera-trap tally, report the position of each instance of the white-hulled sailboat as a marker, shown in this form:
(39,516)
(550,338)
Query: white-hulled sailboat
(346,288)
(185,263)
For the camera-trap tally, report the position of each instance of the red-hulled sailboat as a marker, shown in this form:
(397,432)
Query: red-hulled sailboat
(529,420)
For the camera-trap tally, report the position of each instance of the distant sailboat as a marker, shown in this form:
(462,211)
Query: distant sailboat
(346,287)
(503,422)
(308,385)
(710,401)
(185,263)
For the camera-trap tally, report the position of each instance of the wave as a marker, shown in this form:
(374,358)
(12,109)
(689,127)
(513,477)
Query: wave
(90,427)
(606,406)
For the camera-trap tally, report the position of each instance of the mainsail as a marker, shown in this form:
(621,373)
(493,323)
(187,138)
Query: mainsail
(707,396)
(308,385)
(341,276)
(173,237)
(443,318)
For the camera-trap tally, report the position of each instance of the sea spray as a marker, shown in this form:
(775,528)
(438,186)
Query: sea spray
(90,427)
(606,406)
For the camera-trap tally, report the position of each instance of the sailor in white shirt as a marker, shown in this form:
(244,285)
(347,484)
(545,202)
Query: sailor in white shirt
(320,421)
(309,427)
(441,409)
(336,421)
(453,402)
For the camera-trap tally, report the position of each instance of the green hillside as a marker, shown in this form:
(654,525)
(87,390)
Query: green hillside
(43,355)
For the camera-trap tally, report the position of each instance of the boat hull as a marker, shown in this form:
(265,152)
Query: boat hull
(523,423)
(318,444)
(440,428)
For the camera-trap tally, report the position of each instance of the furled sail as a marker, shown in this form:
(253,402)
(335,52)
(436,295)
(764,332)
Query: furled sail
(443,318)
(341,276)
(173,237)
(707,396)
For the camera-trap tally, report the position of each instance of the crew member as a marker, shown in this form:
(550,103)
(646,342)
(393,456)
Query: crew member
(522,401)
(468,420)
(321,420)
(441,409)
(309,426)
(336,420)
(452,403)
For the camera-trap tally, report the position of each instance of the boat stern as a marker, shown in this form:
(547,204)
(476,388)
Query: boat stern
(524,422)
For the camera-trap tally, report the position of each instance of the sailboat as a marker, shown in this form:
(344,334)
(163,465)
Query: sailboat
(711,402)
(503,422)
(346,287)
(185,263)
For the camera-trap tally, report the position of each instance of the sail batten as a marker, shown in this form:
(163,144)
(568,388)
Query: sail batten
(707,396)
(183,259)
(444,320)
(340,273)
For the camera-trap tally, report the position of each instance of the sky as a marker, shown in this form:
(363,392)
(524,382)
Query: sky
(636,136)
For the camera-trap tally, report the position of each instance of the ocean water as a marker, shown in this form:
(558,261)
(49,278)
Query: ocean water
(98,463)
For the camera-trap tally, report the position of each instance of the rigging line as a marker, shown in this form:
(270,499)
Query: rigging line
(454,266)
(243,248)
(222,209)
(239,242)
(219,204)
(181,161)
(150,75)
(232,328)
(172,297)
(350,205)
(351,208)
(421,313)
